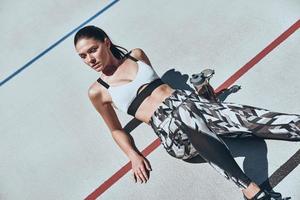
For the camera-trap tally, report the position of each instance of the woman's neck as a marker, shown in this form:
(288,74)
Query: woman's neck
(110,69)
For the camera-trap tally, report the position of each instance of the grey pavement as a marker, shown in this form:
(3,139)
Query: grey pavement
(54,145)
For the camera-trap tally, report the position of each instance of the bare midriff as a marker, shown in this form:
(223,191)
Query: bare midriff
(151,103)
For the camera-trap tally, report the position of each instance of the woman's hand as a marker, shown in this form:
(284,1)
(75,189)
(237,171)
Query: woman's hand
(140,167)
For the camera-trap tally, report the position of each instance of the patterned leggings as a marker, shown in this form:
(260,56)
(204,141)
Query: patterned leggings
(189,125)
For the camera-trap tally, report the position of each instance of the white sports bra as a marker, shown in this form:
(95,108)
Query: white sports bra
(123,95)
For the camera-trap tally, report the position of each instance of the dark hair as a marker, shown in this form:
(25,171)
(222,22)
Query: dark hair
(98,34)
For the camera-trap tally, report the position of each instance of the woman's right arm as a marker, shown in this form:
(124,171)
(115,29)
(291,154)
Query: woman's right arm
(102,104)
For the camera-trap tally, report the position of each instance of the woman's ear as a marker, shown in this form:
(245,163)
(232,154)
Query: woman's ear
(107,42)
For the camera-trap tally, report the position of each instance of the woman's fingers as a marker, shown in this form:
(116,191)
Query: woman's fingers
(134,177)
(147,165)
(138,178)
(144,175)
(141,176)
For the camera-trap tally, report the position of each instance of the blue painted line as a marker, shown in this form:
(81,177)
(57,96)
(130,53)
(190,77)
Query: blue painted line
(56,43)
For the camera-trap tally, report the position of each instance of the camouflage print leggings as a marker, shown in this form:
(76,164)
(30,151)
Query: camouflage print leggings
(189,125)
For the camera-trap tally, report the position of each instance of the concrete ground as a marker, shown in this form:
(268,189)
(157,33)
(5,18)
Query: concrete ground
(54,145)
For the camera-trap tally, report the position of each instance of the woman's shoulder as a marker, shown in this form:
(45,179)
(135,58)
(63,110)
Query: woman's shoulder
(97,92)
(137,53)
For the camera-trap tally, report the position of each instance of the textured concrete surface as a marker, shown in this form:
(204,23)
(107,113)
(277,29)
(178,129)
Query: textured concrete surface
(53,143)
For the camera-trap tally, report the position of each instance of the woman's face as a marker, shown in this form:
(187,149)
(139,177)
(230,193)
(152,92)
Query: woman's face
(94,53)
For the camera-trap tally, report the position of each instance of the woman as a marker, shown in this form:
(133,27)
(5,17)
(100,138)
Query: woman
(186,124)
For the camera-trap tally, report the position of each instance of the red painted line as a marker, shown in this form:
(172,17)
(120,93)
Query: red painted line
(259,56)
(120,173)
